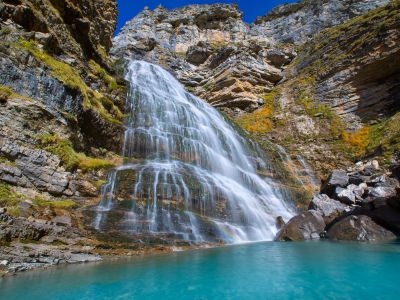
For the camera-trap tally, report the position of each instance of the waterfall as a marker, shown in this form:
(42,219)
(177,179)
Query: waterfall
(187,174)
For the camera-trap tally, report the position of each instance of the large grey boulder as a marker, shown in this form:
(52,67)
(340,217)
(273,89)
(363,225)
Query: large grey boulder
(306,226)
(359,228)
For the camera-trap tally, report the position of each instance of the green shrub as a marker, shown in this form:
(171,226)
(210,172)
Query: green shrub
(9,198)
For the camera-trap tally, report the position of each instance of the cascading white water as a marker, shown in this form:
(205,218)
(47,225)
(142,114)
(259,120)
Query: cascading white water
(187,172)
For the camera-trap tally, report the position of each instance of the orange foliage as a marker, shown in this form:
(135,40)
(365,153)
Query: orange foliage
(258,121)
(357,140)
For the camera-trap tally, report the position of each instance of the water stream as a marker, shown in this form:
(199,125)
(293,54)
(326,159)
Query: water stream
(187,174)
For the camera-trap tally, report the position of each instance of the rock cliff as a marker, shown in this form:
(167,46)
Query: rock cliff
(286,69)
(57,91)
(61,104)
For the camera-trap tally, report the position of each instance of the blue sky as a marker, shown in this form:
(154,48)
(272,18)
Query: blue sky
(251,8)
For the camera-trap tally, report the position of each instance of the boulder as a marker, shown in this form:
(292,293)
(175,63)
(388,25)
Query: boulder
(382,192)
(329,208)
(279,222)
(306,226)
(359,228)
(338,178)
(351,193)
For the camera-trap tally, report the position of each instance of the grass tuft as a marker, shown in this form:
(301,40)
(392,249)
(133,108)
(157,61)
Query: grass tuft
(70,158)
(61,204)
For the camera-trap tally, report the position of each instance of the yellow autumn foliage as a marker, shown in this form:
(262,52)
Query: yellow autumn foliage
(258,121)
(357,140)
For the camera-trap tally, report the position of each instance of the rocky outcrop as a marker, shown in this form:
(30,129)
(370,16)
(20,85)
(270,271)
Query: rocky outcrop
(59,82)
(337,102)
(298,22)
(26,244)
(220,58)
(37,169)
(359,78)
(61,117)
(208,48)
(329,208)
(373,214)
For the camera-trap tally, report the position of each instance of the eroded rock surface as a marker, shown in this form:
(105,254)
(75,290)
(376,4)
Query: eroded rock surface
(218,56)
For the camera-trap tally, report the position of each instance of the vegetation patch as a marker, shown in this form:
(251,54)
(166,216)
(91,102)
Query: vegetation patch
(61,204)
(5,93)
(9,198)
(70,158)
(101,73)
(260,121)
(357,141)
(384,138)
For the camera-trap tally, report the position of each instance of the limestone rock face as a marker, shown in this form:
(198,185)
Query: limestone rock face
(209,49)
(359,79)
(34,168)
(54,65)
(52,52)
(298,22)
(218,56)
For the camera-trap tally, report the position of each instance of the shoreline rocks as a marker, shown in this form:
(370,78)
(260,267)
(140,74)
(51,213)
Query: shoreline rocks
(361,204)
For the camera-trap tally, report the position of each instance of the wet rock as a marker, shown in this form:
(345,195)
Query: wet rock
(280,223)
(338,178)
(359,228)
(306,226)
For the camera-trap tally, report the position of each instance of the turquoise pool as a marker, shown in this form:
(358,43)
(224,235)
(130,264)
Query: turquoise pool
(313,270)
